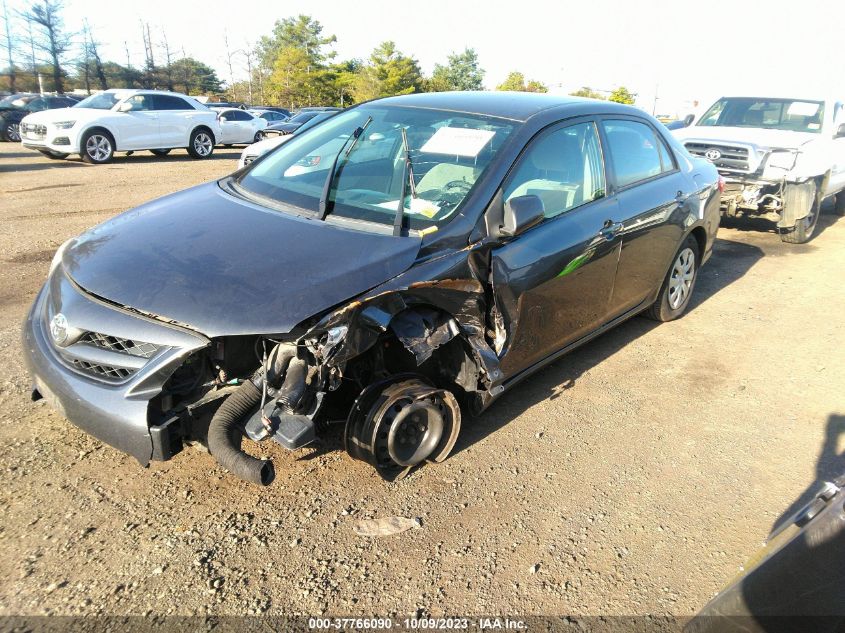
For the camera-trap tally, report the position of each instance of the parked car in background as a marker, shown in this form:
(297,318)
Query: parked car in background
(273,138)
(15,107)
(271,116)
(284,111)
(123,121)
(227,104)
(780,157)
(239,126)
(454,244)
(301,117)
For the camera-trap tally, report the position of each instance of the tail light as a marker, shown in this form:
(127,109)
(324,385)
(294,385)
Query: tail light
(721,184)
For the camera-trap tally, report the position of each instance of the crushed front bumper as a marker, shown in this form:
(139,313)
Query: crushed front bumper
(111,407)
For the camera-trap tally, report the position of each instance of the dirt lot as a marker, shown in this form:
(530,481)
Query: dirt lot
(638,473)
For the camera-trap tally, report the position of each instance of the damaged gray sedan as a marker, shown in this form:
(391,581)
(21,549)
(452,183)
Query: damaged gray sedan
(407,259)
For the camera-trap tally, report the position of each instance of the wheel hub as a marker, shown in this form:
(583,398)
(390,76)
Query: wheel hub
(400,423)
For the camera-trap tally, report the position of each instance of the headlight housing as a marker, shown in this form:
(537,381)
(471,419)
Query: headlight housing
(64,125)
(781,159)
(333,336)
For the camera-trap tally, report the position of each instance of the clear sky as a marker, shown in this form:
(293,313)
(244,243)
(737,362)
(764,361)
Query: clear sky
(683,50)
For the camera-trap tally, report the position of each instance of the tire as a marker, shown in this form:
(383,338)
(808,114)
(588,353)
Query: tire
(53,155)
(839,205)
(201,143)
(160,152)
(805,227)
(97,147)
(10,131)
(259,136)
(681,278)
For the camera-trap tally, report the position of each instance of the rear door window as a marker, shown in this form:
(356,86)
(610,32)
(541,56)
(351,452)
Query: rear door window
(169,102)
(635,152)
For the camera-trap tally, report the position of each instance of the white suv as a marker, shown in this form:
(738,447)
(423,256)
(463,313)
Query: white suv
(780,157)
(123,121)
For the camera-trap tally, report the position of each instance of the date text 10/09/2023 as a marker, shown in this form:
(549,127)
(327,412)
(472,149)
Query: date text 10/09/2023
(418,624)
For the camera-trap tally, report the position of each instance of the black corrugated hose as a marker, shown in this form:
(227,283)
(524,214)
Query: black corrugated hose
(225,435)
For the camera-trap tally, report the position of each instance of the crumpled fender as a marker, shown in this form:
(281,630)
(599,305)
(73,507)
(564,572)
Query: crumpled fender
(462,298)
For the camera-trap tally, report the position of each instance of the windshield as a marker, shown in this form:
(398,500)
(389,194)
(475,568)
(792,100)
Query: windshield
(302,117)
(448,151)
(14,101)
(102,101)
(775,114)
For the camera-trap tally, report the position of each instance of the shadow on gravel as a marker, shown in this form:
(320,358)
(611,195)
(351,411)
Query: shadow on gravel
(829,465)
(730,261)
(119,160)
(55,164)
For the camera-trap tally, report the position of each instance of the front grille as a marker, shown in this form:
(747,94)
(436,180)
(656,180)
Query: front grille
(117,344)
(33,130)
(103,371)
(730,157)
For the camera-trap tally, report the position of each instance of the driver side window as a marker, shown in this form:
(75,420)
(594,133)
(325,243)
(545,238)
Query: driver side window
(563,168)
(140,102)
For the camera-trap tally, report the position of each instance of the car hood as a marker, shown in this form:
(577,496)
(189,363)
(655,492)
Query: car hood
(262,147)
(56,115)
(219,265)
(284,127)
(759,137)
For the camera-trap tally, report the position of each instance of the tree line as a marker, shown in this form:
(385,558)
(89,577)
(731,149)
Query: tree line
(41,53)
(293,66)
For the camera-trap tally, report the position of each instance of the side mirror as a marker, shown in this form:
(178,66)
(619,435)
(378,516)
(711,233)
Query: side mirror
(688,119)
(223,119)
(124,107)
(840,131)
(521,213)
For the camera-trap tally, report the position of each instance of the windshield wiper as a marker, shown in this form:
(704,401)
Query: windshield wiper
(323,208)
(407,181)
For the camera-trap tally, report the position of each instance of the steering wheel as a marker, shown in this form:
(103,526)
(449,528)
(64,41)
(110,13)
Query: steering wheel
(462,187)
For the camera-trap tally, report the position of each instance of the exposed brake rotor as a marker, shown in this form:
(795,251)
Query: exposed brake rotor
(401,422)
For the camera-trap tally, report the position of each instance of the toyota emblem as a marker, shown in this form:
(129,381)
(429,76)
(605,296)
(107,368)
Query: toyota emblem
(712,154)
(58,328)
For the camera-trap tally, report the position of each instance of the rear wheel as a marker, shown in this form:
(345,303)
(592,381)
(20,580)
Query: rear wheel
(201,144)
(258,137)
(160,152)
(97,147)
(677,288)
(839,205)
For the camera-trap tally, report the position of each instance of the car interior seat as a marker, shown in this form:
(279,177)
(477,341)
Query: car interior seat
(554,173)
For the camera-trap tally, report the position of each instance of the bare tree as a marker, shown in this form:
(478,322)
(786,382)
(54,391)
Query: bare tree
(46,15)
(168,61)
(149,59)
(9,45)
(94,55)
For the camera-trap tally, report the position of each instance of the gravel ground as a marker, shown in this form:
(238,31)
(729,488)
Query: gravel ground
(634,476)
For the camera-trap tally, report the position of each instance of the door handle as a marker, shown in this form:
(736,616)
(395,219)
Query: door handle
(610,230)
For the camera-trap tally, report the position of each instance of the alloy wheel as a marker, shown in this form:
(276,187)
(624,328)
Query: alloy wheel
(13,132)
(98,147)
(203,144)
(680,282)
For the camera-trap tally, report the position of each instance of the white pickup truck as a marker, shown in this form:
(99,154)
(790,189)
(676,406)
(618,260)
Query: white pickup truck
(780,157)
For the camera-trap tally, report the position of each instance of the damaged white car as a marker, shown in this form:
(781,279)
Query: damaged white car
(780,157)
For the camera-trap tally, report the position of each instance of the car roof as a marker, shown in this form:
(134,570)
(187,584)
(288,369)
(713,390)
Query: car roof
(517,106)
